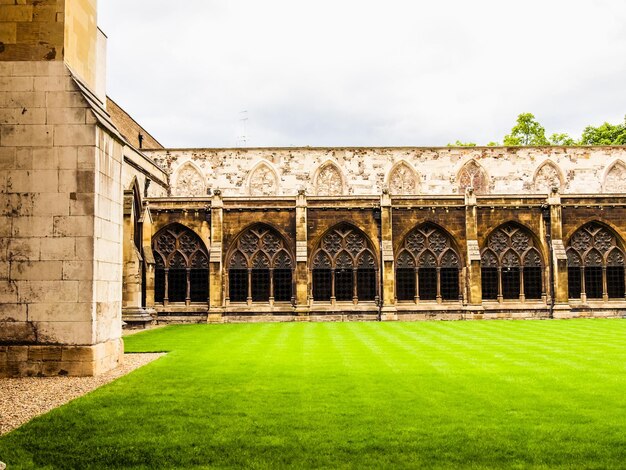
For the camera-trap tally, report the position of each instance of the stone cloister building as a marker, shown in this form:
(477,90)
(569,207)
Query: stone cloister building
(101,225)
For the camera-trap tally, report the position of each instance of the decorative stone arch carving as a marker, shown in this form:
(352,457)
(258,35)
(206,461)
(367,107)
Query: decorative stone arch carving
(260,246)
(403,179)
(329,180)
(260,266)
(263,180)
(595,259)
(427,266)
(189,181)
(512,264)
(615,178)
(181,265)
(344,266)
(547,176)
(473,175)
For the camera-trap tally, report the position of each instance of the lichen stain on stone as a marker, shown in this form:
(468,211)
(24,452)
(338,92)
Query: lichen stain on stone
(51,55)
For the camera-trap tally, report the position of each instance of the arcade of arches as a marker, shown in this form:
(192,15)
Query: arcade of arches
(386,257)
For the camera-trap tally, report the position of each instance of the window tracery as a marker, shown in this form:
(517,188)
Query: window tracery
(615,180)
(263,182)
(472,175)
(260,267)
(512,267)
(344,267)
(329,181)
(402,180)
(181,266)
(547,177)
(595,264)
(189,182)
(427,266)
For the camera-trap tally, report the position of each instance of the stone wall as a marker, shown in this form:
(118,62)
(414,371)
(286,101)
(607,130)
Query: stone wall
(366,171)
(60,226)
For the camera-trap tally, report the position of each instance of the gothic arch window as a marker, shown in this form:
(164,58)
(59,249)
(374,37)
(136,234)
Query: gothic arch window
(260,267)
(403,179)
(181,266)
(474,176)
(595,264)
(615,179)
(329,181)
(263,181)
(512,266)
(344,267)
(427,266)
(189,181)
(547,177)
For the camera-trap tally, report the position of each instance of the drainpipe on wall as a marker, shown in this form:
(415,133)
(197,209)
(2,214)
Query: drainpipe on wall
(378,219)
(545,213)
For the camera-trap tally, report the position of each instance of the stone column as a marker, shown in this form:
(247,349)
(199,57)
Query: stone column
(302,268)
(561,307)
(474,295)
(216,284)
(388,310)
(148,258)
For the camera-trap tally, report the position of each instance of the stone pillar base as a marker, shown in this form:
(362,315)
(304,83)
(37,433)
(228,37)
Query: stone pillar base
(215,318)
(137,316)
(388,314)
(562,311)
(48,361)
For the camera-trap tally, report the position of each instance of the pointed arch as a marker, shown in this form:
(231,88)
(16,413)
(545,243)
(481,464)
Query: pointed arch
(260,262)
(189,181)
(595,263)
(263,180)
(512,264)
(615,178)
(547,176)
(427,265)
(329,180)
(403,179)
(344,266)
(473,175)
(182,268)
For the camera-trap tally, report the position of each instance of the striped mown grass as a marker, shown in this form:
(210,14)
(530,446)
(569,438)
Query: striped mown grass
(517,394)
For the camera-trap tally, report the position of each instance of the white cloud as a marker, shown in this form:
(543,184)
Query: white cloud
(347,72)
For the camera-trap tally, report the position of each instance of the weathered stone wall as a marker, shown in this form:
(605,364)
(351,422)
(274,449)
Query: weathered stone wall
(365,171)
(60,227)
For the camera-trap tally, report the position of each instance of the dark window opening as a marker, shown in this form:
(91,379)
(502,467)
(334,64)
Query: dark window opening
(159,284)
(260,285)
(510,283)
(177,285)
(321,284)
(366,284)
(615,281)
(238,285)
(405,284)
(593,282)
(344,289)
(199,285)
(450,283)
(428,283)
(574,284)
(489,283)
(532,282)
(282,285)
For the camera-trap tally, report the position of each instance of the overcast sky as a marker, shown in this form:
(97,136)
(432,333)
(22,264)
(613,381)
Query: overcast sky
(361,72)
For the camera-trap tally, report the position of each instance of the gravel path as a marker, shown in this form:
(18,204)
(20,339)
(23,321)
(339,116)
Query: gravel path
(21,399)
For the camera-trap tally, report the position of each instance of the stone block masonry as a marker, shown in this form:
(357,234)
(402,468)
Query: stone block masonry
(60,226)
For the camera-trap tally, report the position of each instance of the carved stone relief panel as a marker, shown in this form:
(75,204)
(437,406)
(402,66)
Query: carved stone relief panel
(402,180)
(263,182)
(329,182)
(547,178)
(615,181)
(189,182)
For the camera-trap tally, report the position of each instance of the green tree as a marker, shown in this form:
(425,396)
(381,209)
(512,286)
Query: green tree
(527,131)
(458,143)
(561,139)
(605,134)
(493,144)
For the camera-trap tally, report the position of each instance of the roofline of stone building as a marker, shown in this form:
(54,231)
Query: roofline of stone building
(482,147)
(139,126)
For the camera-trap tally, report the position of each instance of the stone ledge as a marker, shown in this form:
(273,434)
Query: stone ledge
(46,361)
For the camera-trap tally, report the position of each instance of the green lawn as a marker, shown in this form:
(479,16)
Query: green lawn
(490,394)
